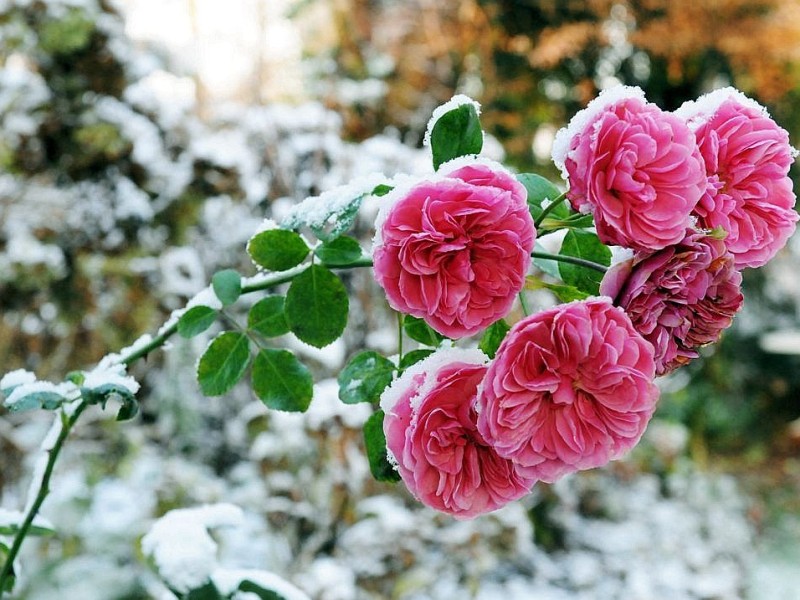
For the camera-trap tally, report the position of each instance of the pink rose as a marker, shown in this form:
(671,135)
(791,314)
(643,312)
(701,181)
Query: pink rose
(570,388)
(636,167)
(747,156)
(431,433)
(679,298)
(455,249)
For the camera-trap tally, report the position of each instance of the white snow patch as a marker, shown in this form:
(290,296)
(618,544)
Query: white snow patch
(11,518)
(205,297)
(15,378)
(227,581)
(454,164)
(317,211)
(182,271)
(110,373)
(181,547)
(582,118)
(326,407)
(328,579)
(331,356)
(428,367)
(137,345)
(697,112)
(64,389)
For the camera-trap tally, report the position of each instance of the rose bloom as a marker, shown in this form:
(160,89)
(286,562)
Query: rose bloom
(749,192)
(432,436)
(679,298)
(636,167)
(570,388)
(455,249)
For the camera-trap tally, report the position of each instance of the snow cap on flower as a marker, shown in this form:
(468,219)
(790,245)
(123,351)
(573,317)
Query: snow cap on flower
(680,298)
(432,437)
(748,191)
(454,248)
(570,388)
(584,117)
(636,168)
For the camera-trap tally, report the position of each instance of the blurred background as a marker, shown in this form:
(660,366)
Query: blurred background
(142,142)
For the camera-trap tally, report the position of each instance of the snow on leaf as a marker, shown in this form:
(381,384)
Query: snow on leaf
(333,208)
(229,581)
(182,550)
(15,378)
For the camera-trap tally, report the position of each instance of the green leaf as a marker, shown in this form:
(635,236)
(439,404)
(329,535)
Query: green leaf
(339,252)
(76,377)
(365,377)
(381,190)
(317,306)
(261,592)
(456,133)
(267,317)
(281,381)
(565,293)
(342,220)
(375,442)
(574,221)
(493,337)
(196,320)
(539,190)
(223,363)
(10,529)
(277,249)
(419,330)
(413,357)
(327,222)
(106,392)
(227,286)
(586,245)
(128,410)
(207,592)
(47,400)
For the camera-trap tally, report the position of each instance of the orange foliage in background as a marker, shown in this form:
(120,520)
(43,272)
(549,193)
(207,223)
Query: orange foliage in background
(760,40)
(508,53)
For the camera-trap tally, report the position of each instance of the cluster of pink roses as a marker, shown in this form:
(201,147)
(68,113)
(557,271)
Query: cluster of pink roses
(697,195)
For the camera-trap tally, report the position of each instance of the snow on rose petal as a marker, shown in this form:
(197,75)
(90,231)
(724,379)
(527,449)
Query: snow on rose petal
(634,166)
(570,388)
(454,249)
(749,193)
(432,436)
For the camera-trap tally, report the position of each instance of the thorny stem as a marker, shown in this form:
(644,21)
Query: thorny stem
(253,285)
(44,488)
